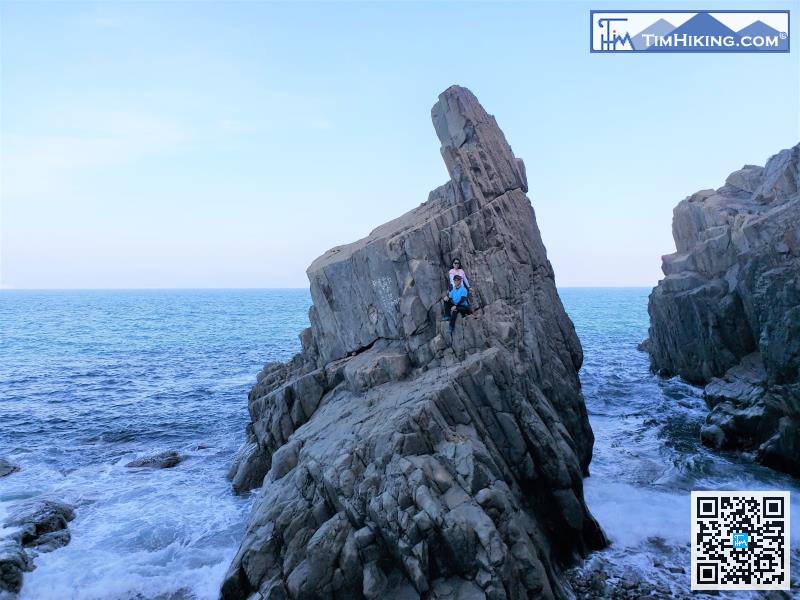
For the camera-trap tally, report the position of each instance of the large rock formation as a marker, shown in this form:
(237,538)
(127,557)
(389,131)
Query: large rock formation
(402,461)
(727,314)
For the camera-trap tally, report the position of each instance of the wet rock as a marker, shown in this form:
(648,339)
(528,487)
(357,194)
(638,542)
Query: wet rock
(14,562)
(38,525)
(7,468)
(162,460)
(727,314)
(48,542)
(35,520)
(399,460)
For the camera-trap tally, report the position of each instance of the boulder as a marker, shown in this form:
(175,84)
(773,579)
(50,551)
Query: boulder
(401,461)
(38,525)
(14,562)
(37,521)
(162,460)
(727,313)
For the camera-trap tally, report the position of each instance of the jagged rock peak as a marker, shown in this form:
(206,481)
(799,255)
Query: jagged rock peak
(726,314)
(473,146)
(397,460)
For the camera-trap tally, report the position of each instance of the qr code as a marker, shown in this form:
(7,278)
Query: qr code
(740,540)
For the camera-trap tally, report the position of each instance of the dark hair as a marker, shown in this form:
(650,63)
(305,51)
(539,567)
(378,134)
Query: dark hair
(456,260)
(456,277)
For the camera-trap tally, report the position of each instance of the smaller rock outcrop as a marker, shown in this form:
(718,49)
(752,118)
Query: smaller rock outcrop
(7,468)
(727,314)
(35,527)
(162,460)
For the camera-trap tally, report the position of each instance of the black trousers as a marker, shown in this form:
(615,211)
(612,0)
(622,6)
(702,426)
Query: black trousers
(461,309)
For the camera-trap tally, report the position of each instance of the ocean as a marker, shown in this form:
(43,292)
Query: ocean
(90,380)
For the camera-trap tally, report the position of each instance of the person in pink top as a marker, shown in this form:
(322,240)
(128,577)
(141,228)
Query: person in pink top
(457,270)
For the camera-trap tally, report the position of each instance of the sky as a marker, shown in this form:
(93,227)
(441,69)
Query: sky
(226,145)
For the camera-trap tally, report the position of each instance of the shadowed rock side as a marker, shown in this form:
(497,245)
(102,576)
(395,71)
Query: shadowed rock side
(402,463)
(727,314)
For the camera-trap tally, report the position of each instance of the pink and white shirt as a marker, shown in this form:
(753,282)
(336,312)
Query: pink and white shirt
(454,272)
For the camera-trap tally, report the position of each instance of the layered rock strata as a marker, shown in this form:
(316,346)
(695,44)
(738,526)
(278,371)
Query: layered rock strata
(727,313)
(399,461)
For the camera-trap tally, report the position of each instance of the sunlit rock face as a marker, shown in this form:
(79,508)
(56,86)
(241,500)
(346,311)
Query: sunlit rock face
(396,460)
(727,314)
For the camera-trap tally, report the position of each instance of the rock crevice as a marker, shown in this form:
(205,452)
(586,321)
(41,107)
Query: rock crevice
(727,313)
(396,460)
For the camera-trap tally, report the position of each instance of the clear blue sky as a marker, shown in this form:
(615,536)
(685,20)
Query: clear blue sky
(177,144)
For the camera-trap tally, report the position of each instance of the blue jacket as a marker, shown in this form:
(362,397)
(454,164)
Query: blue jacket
(459,294)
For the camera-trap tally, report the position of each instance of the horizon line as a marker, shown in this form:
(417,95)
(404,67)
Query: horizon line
(178,289)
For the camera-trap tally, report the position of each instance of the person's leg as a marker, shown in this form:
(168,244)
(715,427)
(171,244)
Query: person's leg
(448,305)
(460,310)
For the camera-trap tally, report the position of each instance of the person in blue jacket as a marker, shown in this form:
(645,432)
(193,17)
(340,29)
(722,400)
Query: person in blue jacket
(457,302)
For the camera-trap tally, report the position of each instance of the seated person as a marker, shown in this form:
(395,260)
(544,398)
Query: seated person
(456,302)
(457,270)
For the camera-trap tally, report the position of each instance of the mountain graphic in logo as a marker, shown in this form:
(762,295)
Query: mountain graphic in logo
(759,28)
(660,28)
(703,24)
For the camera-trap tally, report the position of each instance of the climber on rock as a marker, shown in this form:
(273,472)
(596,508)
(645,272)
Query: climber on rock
(457,271)
(456,302)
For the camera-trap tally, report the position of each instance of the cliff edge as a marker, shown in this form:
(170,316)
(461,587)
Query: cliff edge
(396,460)
(727,314)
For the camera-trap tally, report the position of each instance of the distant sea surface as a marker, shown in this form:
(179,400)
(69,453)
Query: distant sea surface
(90,380)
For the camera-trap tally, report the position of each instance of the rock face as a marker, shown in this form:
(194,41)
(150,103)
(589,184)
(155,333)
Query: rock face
(399,461)
(727,314)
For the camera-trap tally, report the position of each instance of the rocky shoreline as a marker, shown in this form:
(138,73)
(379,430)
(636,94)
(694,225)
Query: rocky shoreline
(727,314)
(36,527)
(401,461)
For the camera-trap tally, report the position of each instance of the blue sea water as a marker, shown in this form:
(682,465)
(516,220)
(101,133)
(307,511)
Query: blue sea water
(90,380)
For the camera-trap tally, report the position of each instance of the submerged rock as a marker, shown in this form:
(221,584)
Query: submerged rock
(399,461)
(7,468)
(162,460)
(727,314)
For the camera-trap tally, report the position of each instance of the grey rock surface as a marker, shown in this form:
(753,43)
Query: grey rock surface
(7,468)
(30,529)
(162,460)
(727,313)
(14,562)
(399,461)
(36,519)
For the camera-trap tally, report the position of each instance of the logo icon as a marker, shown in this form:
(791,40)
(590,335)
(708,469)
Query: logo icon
(689,31)
(739,540)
